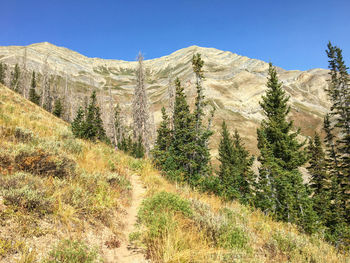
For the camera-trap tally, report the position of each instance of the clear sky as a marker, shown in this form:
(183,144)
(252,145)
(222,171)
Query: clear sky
(292,34)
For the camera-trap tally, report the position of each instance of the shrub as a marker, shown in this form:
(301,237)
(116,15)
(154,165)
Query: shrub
(26,192)
(73,146)
(69,251)
(23,135)
(40,162)
(116,180)
(162,202)
(157,212)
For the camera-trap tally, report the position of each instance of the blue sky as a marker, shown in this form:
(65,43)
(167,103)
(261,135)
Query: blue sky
(290,33)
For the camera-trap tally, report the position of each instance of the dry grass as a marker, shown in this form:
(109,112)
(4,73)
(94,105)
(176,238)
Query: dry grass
(256,237)
(54,186)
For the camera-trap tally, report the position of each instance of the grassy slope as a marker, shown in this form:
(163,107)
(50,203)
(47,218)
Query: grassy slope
(188,226)
(56,187)
(53,186)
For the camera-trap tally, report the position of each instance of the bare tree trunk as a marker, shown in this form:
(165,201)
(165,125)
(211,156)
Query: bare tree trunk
(24,89)
(171,94)
(141,118)
(44,80)
(112,113)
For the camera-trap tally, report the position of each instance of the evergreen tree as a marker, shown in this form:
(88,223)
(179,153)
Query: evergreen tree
(78,124)
(235,172)
(98,124)
(15,79)
(201,154)
(88,124)
(183,142)
(161,148)
(339,118)
(280,185)
(138,150)
(33,96)
(58,109)
(319,181)
(3,69)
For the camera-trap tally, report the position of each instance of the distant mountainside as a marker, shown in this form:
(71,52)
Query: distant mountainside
(233,84)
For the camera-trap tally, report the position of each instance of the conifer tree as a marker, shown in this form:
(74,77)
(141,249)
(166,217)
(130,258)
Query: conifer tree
(339,118)
(88,123)
(201,154)
(15,79)
(184,138)
(78,124)
(33,96)
(58,109)
(161,148)
(3,69)
(319,181)
(280,185)
(235,173)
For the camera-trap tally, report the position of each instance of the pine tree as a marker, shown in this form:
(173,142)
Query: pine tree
(201,154)
(3,69)
(183,142)
(58,109)
(319,181)
(78,124)
(161,148)
(88,123)
(339,122)
(280,185)
(33,96)
(15,79)
(235,173)
(98,124)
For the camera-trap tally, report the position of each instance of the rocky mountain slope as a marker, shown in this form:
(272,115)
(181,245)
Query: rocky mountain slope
(234,84)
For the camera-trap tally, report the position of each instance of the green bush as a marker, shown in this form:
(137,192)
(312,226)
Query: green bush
(69,251)
(157,212)
(73,146)
(233,237)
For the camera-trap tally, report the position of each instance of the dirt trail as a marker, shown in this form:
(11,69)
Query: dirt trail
(125,253)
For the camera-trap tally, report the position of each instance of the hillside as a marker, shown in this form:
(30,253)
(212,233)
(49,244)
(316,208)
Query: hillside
(234,84)
(55,188)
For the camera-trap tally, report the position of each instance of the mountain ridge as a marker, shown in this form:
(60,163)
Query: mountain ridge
(233,84)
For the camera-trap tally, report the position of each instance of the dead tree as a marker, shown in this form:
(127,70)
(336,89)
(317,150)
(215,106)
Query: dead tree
(140,107)
(45,86)
(112,113)
(171,97)
(23,84)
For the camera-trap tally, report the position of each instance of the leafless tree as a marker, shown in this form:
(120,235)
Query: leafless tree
(171,97)
(23,85)
(112,119)
(45,86)
(140,107)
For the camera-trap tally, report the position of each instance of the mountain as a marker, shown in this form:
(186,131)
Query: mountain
(233,84)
